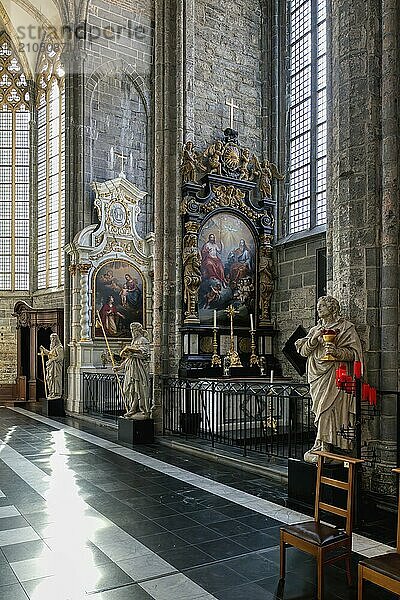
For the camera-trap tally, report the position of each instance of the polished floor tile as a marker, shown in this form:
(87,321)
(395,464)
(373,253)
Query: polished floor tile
(84,517)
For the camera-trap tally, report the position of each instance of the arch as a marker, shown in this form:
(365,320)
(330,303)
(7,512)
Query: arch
(12,34)
(120,65)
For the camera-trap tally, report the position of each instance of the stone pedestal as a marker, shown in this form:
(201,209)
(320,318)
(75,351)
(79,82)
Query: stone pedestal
(53,408)
(302,479)
(135,431)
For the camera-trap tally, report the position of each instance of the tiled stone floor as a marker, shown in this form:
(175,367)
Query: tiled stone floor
(84,517)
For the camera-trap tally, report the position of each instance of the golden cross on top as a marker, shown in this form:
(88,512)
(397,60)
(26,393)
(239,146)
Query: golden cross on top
(231,312)
(232,107)
(123,160)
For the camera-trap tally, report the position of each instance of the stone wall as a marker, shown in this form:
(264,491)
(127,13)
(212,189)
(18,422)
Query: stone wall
(118,95)
(295,297)
(227,64)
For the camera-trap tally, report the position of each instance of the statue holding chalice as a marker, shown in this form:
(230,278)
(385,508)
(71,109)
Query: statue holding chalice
(334,339)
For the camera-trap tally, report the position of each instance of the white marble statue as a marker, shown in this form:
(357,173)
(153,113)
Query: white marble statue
(136,381)
(54,367)
(333,408)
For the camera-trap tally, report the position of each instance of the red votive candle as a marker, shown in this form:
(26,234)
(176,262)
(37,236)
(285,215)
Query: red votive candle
(372,396)
(357,369)
(365,391)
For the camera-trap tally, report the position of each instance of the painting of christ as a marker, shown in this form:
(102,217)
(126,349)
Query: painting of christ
(227,251)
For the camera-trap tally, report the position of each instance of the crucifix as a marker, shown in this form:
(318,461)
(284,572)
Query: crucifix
(123,161)
(232,107)
(234,360)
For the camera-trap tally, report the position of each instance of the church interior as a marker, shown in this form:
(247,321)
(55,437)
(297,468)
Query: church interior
(199,299)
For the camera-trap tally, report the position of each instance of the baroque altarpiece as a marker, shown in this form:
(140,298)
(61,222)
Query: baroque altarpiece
(111,268)
(228,228)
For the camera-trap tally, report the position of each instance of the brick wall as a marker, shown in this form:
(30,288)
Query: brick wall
(118,72)
(227,52)
(295,296)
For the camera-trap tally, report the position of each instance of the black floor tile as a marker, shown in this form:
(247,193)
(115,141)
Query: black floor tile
(215,577)
(223,548)
(175,522)
(249,591)
(230,527)
(256,540)
(186,558)
(163,541)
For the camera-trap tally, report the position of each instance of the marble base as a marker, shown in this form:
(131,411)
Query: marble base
(135,431)
(53,408)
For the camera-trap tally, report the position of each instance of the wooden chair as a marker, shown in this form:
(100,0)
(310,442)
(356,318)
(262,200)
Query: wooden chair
(317,538)
(383,570)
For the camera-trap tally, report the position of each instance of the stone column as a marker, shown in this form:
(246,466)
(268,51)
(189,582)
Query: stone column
(76,206)
(168,140)
(383,479)
(354,166)
(84,269)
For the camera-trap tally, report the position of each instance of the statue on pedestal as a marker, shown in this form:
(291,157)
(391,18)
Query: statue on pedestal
(333,408)
(136,381)
(54,367)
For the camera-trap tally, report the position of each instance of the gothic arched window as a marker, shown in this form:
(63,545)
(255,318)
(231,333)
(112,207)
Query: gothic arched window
(14,170)
(51,169)
(307,114)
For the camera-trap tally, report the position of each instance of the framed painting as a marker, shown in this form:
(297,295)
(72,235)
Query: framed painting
(118,295)
(228,269)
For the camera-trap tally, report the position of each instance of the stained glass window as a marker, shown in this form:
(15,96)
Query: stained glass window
(14,170)
(307,114)
(51,170)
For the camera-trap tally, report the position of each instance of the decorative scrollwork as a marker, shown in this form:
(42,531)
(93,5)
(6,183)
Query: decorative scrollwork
(266,279)
(191,271)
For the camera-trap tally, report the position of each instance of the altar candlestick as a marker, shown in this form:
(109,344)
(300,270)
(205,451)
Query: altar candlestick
(251,323)
(272,376)
(215,319)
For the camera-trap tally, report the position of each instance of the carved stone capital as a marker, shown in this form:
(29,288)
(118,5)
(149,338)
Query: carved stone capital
(84,268)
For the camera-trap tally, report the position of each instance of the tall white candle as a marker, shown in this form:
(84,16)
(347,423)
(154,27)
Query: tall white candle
(251,323)
(272,376)
(215,319)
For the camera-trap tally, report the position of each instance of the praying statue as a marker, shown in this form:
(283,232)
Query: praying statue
(332,407)
(54,367)
(136,380)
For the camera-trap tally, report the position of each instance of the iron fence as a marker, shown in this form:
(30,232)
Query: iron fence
(273,419)
(102,397)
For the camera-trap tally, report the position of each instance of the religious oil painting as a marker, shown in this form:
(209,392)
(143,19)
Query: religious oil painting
(227,250)
(118,296)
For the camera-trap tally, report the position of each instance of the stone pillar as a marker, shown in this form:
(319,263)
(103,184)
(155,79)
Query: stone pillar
(168,105)
(383,480)
(354,166)
(84,269)
(77,208)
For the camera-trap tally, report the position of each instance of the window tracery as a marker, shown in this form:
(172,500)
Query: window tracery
(51,168)
(15,118)
(307,114)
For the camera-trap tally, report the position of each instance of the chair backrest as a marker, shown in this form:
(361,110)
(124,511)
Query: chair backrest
(347,486)
(397,471)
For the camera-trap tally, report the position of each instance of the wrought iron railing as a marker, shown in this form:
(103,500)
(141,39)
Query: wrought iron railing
(102,397)
(273,419)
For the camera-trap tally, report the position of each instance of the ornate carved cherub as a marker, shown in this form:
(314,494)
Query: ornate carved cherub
(190,163)
(265,171)
(214,155)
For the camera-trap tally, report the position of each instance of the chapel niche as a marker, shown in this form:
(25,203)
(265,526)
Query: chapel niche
(227,255)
